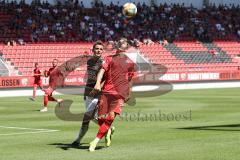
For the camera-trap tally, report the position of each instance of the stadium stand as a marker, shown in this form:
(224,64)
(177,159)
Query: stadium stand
(71,22)
(24,57)
(190,56)
(175,56)
(232,48)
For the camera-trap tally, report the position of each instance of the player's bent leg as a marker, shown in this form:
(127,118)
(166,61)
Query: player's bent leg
(83,129)
(45,103)
(44,109)
(108,136)
(47,94)
(82,132)
(102,131)
(91,107)
(92,146)
(51,98)
(40,85)
(91,104)
(103,128)
(34,91)
(33,98)
(115,108)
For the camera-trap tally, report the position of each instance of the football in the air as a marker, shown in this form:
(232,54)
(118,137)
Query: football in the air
(129,10)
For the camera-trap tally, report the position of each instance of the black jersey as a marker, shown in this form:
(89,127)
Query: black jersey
(94,64)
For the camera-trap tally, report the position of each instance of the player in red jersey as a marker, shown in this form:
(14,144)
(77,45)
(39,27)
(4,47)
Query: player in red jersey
(55,78)
(37,81)
(118,71)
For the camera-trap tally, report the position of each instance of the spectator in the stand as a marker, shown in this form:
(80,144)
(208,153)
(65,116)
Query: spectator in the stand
(238,33)
(21,41)
(11,42)
(136,43)
(215,54)
(166,21)
(147,41)
(52,37)
(8,42)
(14,43)
(163,42)
(212,52)
(45,28)
(34,37)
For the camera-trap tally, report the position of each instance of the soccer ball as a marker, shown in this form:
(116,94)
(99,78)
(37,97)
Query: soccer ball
(129,10)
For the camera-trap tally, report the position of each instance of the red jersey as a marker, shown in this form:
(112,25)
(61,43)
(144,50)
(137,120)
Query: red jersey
(37,78)
(119,70)
(55,77)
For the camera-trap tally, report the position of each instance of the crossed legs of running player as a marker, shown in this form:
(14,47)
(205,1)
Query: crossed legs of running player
(91,114)
(48,97)
(109,107)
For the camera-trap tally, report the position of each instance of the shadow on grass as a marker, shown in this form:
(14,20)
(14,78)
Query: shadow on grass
(36,110)
(82,146)
(228,127)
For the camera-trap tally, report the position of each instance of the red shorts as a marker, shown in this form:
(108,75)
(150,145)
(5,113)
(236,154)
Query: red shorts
(38,83)
(48,91)
(110,103)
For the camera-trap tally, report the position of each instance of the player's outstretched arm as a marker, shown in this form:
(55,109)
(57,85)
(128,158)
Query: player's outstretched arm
(99,80)
(129,91)
(102,84)
(38,74)
(46,73)
(98,84)
(130,100)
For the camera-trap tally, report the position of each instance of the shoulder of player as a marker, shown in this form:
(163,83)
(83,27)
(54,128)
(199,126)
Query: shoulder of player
(50,69)
(37,70)
(108,57)
(90,60)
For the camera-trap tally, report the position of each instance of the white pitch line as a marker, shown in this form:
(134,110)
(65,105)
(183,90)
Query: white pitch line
(37,129)
(9,134)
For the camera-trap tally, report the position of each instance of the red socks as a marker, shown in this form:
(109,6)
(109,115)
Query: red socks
(45,100)
(105,124)
(48,98)
(101,121)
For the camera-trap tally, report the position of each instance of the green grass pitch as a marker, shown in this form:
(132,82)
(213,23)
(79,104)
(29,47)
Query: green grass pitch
(198,124)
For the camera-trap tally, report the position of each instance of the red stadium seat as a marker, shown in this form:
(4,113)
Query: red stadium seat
(24,57)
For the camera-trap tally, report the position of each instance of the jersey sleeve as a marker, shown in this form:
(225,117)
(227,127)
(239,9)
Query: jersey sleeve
(49,71)
(105,63)
(131,70)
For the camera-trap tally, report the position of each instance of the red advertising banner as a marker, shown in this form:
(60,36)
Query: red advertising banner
(79,80)
(27,81)
(189,76)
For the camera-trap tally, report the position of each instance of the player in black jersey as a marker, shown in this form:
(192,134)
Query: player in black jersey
(94,64)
